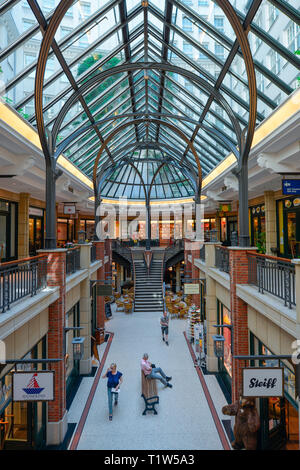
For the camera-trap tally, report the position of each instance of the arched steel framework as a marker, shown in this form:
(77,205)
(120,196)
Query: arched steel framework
(48,144)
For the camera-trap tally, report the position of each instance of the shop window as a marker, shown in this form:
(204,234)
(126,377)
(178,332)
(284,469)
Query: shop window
(8,231)
(225,363)
(258,227)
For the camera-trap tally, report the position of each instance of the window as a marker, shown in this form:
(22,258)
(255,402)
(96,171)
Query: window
(188,85)
(70,12)
(188,49)
(64,31)
(273,15)
(260,81)
(202,3)
(27,24)
(49,67)
(292,36)
(28,59)
(274,61)
(187,25)
(85,9)
(219,23)
(48,5)
(201,54)
(84,41)
(219,51)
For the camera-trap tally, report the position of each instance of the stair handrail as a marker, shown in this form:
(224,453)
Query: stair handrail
(133,272)
(162,279)
(148,257)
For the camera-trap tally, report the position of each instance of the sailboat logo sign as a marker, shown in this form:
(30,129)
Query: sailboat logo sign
(33,386)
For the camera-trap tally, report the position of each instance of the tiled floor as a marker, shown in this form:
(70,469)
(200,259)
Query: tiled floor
(184,419)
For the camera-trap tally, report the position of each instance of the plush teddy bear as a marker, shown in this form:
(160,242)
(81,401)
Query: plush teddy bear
(246,425)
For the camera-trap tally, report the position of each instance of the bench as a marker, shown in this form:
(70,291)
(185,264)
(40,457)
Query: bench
(149,393)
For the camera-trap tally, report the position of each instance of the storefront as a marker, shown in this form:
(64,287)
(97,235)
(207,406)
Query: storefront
(65,231)
(278,415)
(258,227)
(225,363)
(208,225)
(8,230)
(22,424)
(72,366)
(36,230)
(288,227)
(89,228)
(228,230)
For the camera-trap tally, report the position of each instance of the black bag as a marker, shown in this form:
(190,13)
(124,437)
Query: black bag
(153,366)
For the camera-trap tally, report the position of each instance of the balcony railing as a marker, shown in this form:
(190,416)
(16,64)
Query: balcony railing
(222,258)
(273,275)
(22,278)
(73,260)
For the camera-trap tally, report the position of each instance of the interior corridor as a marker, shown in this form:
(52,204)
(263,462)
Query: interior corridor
(184,420)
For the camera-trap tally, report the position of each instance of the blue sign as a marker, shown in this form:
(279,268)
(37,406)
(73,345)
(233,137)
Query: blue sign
(291,187)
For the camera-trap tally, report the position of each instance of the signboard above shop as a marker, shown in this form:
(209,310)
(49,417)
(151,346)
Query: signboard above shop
(291,187)
(33,386)
(263,382)
(191,289)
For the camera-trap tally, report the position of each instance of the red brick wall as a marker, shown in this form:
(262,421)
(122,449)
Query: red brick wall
(100,250)
(238,261)
(56,276)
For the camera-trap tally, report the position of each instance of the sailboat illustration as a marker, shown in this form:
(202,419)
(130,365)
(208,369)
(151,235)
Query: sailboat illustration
(33,387)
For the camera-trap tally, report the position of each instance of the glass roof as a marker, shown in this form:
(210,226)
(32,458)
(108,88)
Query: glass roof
(194,35)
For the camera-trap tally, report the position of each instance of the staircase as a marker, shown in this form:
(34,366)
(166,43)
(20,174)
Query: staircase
(148,289)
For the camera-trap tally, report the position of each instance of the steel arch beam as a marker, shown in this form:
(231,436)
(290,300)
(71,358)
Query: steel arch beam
(139,121)
(97,78)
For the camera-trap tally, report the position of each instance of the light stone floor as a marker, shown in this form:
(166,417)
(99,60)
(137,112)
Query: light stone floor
(184,419)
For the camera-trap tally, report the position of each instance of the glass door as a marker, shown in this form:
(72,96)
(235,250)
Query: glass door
(3,237)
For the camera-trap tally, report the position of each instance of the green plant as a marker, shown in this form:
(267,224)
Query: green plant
(261,242)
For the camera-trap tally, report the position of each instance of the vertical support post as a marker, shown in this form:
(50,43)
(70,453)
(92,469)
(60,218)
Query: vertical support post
(23,226)
(50,239)
(148,241)
(244,238)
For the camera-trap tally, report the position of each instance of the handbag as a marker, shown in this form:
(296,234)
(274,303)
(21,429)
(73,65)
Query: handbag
(153,366)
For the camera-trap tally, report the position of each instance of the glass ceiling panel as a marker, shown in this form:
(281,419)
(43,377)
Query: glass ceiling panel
(195,36)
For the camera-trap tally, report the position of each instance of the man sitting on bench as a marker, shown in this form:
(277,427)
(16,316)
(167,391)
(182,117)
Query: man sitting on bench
(152,372)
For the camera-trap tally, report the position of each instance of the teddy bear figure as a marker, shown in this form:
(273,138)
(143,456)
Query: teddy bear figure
(246,425)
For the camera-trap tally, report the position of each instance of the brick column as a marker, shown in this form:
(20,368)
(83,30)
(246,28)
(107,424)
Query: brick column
(23,225)
(57,413)
(238,265)
(270,214)
(100,249)
(211,307)
(85,365)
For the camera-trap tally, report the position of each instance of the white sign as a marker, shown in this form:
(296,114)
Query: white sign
(69,209)
(36,211)
(33,386)
(263,382)
(191,289)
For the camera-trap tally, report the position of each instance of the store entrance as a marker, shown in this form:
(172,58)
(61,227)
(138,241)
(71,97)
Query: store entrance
(292,234)
(16,426)
(35,234)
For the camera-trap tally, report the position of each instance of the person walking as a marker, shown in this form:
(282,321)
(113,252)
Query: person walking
(152,372)
(115,378)
(164,323)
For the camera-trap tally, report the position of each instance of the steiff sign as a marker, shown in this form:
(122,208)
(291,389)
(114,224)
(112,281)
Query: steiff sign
(191,289)
(33,386)
(263,382)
